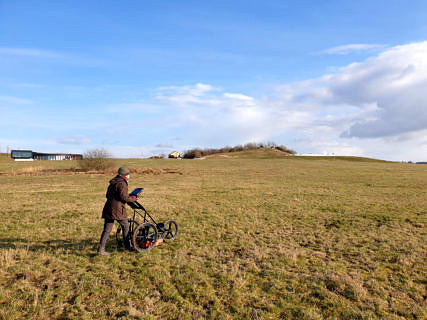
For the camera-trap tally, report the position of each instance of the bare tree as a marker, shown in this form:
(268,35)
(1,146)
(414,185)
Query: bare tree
(96,159)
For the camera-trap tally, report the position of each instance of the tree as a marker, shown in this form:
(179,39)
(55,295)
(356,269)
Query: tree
(96,159)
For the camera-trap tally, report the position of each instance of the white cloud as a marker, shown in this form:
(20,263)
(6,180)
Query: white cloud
(394,81)
(369,105)
(351,48)
(238,96)
(197,90)
(226,118)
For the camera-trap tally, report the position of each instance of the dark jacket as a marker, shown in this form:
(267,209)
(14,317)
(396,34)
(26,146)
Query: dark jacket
(117,197)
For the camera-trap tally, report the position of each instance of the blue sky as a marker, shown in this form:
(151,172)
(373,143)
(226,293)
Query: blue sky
(146,77)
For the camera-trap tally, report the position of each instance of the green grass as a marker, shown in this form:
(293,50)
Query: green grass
(261,237)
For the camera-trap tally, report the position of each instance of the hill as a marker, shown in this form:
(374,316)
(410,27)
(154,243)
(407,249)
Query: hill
(345,158)
(269,153)
(262,153)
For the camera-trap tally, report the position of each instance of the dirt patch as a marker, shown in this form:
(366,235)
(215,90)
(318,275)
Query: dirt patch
(32,171)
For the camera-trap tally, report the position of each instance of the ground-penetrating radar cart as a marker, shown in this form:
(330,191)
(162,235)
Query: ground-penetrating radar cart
(144,234)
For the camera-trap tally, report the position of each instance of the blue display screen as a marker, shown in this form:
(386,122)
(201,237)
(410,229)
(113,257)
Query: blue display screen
(136,192)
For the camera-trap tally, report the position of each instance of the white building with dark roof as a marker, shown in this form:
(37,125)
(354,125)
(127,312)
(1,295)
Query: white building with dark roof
(28,155)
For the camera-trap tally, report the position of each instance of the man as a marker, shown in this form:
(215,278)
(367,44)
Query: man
(115,209)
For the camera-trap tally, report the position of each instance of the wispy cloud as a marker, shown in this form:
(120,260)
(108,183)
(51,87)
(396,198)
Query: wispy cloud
(32,54)
(29,52)
(164,145)
(14,100)
(76,140)
(198,94)
(25,85)
(352,48)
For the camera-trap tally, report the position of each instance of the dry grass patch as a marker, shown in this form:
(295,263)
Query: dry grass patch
(40,171)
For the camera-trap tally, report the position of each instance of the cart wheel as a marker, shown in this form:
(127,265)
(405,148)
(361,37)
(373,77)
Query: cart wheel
(144,237)
(119,233)
(171,230)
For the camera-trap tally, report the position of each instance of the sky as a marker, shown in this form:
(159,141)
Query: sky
(142,78)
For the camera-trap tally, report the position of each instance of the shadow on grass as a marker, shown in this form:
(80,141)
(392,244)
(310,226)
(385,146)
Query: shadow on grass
(84,247)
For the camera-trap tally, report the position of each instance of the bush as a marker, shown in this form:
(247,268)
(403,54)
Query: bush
(198,153)
(96,159)
(284,149)
(191,154)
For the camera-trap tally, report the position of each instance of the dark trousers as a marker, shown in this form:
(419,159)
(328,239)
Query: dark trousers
(108,226)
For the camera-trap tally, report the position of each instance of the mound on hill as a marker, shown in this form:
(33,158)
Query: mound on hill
(264,153)
(199,153)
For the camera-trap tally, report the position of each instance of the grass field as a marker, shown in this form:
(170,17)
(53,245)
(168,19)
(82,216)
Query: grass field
(262,236)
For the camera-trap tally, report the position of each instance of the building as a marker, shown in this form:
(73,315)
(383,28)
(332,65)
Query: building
(175,155)
(28,155)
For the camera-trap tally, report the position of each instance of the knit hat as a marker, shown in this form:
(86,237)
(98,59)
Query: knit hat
(123,171)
